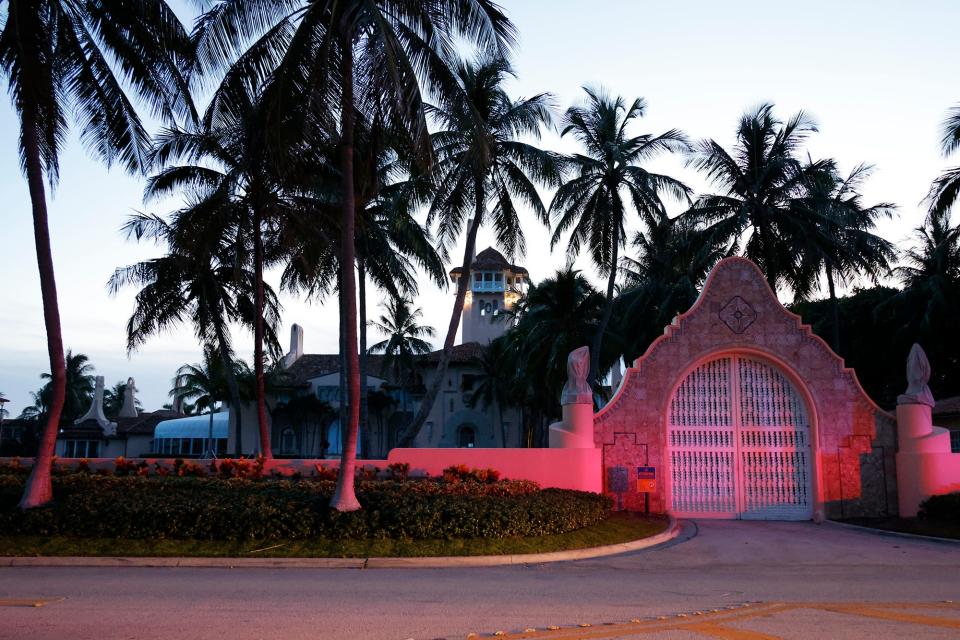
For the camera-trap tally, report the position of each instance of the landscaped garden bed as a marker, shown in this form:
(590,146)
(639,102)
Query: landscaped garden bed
(194,510)
(939,517)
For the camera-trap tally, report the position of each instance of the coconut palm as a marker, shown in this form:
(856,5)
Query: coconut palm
(78,389)
(341,57)
(840,242)
(930,274)
(495,382)
(205,384)
(65,60)
(198,280)
(759,180)
(483,172)
(405,340)
(673,258)
(608,181)
(943,192)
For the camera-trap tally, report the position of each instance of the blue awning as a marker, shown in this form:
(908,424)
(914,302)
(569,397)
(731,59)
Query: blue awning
(194,427)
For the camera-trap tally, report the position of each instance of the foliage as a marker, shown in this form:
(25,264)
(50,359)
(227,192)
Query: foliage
(943,508)
(242,509)
(113,400)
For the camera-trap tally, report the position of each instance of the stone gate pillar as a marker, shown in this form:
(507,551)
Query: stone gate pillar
(575,430)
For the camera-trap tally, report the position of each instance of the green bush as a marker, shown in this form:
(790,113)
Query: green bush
(945,508)
(242,509)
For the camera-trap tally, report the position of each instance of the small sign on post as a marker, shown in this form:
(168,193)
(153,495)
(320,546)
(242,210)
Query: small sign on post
(646,479)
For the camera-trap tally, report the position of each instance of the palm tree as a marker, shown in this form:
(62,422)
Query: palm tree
(113,400)
(205,384)
(840,241)
(229,153)
(496,382)
(608,178)
(482,170)
(63,58)
(943,192)
(348,55)
(930,274)
(78,390)
(760,181)
(557,315)
(197,280)
(673,258)
(405,340)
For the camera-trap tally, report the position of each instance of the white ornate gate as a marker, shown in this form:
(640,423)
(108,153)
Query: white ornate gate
(739,444)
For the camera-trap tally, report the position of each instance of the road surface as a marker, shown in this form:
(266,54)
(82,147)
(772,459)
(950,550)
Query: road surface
(722,579)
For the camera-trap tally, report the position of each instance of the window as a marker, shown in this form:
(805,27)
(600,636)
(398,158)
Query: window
(955,441)
(466,437)
(81,449)
(498,277)
(288,441)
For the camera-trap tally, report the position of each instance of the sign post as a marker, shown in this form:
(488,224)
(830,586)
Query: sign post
(646,484)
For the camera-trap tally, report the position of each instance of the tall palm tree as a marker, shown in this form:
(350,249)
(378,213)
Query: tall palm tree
(930,274)
(944,190)
(405,340)
(496,382)
(60,59)
(608,180)
(483,170)
(198,280)
(229,153)
(205,384)
(840,241)
(673,258)
(341,57)
(760,180)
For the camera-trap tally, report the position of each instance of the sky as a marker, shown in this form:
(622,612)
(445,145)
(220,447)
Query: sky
(877,76)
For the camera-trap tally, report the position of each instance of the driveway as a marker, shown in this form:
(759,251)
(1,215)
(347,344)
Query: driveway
(797,580)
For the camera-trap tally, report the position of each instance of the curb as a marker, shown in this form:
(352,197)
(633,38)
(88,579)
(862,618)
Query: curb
(671,532)
(893,534)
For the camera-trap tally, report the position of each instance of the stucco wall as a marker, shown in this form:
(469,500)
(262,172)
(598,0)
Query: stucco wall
(853,439)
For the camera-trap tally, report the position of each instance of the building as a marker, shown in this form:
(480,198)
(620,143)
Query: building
(495,285)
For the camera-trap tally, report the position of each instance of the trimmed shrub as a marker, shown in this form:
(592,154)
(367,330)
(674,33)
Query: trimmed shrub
(944,508)
(218,508)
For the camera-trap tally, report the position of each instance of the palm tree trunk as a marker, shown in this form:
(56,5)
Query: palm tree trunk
(605,319)
(39,487)
(409,433)
(265,449)
(503,431)
(835,310)
(232,387)
(344,497)
(364,410)
(210,448)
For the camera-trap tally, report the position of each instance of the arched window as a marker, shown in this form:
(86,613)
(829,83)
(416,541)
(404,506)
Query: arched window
(288,441)
(466,436)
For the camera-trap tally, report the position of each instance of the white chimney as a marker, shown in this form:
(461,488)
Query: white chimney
(296,346)
(95,412)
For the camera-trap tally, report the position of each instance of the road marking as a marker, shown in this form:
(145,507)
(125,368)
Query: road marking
(884,613)
(715,630)
(27,602)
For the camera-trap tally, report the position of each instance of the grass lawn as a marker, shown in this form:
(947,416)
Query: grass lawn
(937,529)
(619,527)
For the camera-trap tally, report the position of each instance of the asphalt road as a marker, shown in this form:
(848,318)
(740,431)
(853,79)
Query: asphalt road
(798,580)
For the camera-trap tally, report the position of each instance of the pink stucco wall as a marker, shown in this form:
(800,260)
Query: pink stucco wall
(853,440)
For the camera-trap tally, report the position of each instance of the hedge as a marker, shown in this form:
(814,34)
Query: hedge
(943,508)
(241,509)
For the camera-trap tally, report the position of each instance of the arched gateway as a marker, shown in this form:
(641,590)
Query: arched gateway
(739,411)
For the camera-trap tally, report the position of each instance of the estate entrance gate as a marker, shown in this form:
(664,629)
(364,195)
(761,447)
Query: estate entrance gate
(738,441)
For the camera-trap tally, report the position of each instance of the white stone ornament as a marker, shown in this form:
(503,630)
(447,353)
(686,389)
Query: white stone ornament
(95,412)
(129,408)
(577,390)
(918,375)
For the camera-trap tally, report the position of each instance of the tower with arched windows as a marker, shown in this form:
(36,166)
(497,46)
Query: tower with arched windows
(495,285)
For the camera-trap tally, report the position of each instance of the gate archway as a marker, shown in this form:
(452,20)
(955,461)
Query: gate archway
(739,443)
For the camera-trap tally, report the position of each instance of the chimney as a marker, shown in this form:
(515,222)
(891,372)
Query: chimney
(129,407)
(296,346)
(95,412)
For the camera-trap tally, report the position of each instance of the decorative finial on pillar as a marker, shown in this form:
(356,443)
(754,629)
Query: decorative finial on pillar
(918,375)
(129,408)
(95,412)
(577,390)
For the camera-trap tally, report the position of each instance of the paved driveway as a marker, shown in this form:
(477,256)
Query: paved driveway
(800,580)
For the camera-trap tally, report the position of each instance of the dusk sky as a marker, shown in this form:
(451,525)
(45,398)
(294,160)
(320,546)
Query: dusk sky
(878,77)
